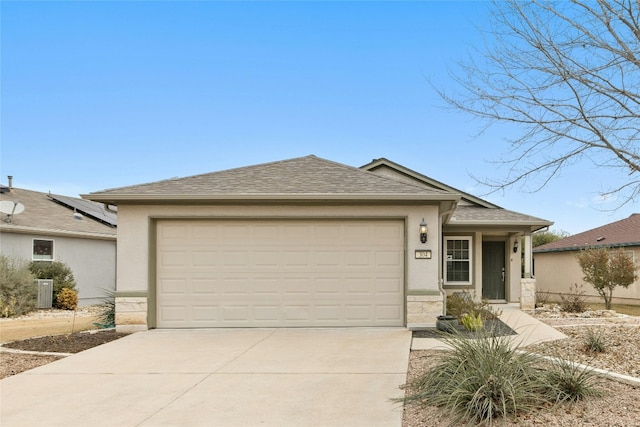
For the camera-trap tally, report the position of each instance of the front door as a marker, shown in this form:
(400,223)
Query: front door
(493,271)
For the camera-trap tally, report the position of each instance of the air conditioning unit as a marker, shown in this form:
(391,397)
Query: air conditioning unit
(45,293)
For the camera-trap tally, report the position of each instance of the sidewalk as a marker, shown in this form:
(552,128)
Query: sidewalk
(529,330)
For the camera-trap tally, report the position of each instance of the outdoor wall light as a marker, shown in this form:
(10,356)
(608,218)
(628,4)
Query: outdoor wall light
(515,245)
(423,231)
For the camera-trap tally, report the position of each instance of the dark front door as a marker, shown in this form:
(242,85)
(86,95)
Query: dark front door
(493,271)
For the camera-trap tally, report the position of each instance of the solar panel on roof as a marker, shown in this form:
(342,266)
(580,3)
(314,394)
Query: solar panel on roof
(88,208)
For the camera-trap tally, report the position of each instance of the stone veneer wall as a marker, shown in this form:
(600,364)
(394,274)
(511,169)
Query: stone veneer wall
(131,314)
(423,309)
(527,294)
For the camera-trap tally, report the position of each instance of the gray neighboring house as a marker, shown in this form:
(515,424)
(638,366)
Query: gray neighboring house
(78,232)
(557,268)
(308,242)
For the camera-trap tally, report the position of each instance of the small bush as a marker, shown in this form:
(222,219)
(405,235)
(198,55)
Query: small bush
(472,323)
(67,299)
(463,303)
(575,301)
(107,314)
(594,342)
(480,380)
(58,271)
(542,297)
(569,382)
(18,290)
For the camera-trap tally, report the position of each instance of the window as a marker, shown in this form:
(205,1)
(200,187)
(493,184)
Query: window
(458,261)
(42,250)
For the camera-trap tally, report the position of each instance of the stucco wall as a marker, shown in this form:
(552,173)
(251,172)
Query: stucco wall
(93,262)
(136,236)
(556,271)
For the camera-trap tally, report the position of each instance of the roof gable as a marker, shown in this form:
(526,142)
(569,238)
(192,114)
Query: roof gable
(389,168)
(625,232)
(472,211)
(307,177)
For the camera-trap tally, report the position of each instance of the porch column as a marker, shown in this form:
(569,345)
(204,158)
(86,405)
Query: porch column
(527,282)
(527,255)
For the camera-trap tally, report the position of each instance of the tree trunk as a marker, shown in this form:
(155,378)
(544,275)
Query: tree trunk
(607,301)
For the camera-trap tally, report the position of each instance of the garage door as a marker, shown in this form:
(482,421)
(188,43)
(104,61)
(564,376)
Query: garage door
(280,273)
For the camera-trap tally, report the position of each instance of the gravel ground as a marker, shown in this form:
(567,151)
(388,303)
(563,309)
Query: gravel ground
(618,405)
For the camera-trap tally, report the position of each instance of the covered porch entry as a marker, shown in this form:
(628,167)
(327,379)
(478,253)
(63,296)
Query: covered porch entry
(496,267)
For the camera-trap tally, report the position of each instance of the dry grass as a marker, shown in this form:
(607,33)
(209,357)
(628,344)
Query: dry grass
(630,310)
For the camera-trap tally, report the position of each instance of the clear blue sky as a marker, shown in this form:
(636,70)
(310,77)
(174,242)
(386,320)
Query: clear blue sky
(98,95)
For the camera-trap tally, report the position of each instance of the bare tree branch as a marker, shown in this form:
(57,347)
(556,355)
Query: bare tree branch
(568,75)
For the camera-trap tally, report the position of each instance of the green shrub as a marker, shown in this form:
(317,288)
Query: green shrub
(67,299)
(575,301)
(594,342)
(107,314)
(480,380)
(462,303)
(58,271)
(569,382)
(472,323)
(18,290)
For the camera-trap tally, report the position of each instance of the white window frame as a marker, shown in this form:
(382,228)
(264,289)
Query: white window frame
(470,260)
(53,249)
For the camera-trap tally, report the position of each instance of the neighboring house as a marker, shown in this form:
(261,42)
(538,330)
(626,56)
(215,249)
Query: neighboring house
(80,233)
(557,268)
(309,242)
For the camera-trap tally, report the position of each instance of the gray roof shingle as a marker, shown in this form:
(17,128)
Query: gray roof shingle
(308,176)
(481,215)
(42,215)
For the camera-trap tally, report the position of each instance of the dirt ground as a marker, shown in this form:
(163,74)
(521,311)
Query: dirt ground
(13,363)
(71,343)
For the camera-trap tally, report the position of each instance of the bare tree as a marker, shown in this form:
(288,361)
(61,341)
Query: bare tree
(567,75)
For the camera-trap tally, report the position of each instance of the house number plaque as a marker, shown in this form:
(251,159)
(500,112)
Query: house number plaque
(423,254)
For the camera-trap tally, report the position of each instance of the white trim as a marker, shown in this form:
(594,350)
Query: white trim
(469,260)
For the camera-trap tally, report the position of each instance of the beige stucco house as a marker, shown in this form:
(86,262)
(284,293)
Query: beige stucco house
(52,227)
(557,268)
(308,242)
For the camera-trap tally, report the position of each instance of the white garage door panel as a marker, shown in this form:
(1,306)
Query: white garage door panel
(222,273)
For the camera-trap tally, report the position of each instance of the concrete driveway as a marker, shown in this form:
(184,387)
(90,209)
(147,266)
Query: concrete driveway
(219,377)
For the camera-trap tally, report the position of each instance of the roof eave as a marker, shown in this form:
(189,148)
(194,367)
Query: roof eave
(296,197)
(18,229)
(534,225)
(582,247)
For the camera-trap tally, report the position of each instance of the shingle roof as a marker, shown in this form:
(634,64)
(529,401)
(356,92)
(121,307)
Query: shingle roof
(482,215)
(305,177)
(625,232)
(42,215)
(479,213)
(382,163)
